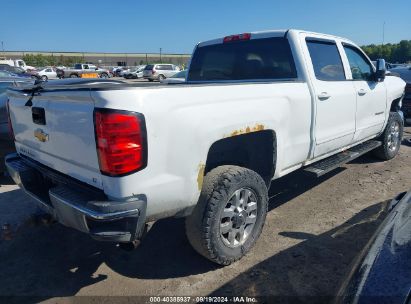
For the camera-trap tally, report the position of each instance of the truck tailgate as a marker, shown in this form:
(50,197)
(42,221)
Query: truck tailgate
(57,130)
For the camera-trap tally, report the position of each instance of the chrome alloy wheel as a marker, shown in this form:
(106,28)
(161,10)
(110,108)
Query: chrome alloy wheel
(394,136)
(238,218)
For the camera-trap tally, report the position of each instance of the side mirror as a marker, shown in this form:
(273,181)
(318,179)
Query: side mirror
(380,70)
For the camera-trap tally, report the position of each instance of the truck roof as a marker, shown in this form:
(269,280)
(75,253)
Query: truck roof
(272,33)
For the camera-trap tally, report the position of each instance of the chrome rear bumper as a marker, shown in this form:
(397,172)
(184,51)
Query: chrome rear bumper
(77,205)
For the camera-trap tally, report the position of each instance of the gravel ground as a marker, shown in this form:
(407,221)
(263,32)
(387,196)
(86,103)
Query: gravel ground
(314,230)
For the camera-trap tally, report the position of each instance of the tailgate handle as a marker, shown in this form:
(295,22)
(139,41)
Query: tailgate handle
(38,115)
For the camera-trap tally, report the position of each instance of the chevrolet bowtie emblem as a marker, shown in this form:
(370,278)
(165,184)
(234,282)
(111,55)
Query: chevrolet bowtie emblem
(41,135)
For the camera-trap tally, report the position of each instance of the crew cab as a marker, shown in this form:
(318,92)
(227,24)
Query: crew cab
(106,157)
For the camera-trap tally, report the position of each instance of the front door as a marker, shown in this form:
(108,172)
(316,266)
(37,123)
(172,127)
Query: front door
(371,94)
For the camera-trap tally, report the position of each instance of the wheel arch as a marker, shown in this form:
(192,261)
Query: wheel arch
(395,105)
(255,150)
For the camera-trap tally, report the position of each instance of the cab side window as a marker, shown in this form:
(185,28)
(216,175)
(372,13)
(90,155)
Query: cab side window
(361,68)
(326,60)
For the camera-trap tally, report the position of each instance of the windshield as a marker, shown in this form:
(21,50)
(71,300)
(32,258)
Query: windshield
(4,74)
(254,59)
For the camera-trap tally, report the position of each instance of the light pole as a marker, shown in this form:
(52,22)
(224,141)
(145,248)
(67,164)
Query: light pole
(383,38)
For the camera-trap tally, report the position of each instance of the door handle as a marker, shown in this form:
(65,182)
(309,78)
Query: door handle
(362,92)
(323,96)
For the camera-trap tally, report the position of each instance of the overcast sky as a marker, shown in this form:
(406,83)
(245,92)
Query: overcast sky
(176,26)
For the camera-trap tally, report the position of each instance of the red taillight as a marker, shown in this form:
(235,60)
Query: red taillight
(11,132)
(153,71)
(121,141)
(245,36)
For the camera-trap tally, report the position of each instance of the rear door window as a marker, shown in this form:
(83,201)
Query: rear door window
(326,60)
(255,59)
(165,67)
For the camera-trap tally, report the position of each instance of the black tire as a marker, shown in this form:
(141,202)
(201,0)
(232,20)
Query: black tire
(104,75)
(73,76)
(390,144)
(203,225)
(44,78)
(161,77)
(151,80)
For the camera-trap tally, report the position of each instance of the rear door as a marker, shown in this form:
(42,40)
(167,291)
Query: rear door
(335,97)
(371,95)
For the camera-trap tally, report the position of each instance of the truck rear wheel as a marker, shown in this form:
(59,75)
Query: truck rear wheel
(230,214)
(391,138)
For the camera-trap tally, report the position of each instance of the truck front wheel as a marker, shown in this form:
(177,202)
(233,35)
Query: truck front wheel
(230,214)
(391,138)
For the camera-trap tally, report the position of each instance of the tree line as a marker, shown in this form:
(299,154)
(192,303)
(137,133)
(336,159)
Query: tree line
(40,60)
(391,52)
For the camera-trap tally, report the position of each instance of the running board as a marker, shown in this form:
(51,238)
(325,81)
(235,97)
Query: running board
(330,163)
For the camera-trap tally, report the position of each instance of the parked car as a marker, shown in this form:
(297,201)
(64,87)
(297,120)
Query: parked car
(159,71)
(47,73)
(382,273)
(118,70)
(254,108)
(176,78)
(6,141)
(124,71)
(405,74)
(18,71)
(135,73)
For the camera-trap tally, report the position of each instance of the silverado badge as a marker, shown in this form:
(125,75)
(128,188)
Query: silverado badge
(41,135)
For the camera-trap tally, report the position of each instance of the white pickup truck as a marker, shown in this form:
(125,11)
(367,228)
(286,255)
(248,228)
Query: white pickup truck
(106,157)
